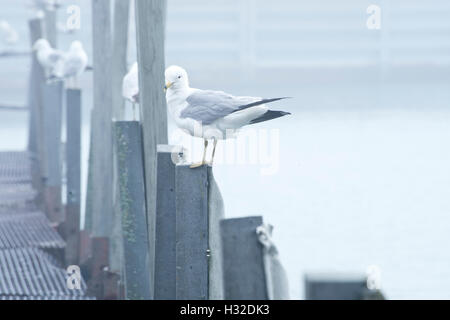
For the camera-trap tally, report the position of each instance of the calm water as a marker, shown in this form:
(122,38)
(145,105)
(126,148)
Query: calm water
(363,179)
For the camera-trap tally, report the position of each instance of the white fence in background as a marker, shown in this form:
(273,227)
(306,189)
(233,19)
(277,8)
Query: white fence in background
(300,32)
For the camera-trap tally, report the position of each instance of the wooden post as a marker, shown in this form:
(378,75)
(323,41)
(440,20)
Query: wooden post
(335,287)
(120,45)
(243,259)
(73,158)
(252,269)
(132,206)
(50,27)
(102,171)
(52,117)
(165,237)
(34,103)
(150,47)
(199,209)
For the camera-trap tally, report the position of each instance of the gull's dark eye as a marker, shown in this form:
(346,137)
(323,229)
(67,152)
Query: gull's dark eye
(179,77)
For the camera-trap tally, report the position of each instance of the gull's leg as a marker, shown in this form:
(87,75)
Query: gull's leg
(134,111)
(214,152)
(196,165)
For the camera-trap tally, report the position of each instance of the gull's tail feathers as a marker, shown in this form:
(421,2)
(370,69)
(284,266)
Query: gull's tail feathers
(260,102)
(270,115)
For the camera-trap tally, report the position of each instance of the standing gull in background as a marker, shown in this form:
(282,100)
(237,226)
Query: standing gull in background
(8,34)
(47,57)
(73,63)
(212,114)
(130,87)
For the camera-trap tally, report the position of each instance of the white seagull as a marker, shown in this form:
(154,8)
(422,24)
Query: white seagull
(212,114)
(9,35)
(130,87)
(73,63)
(47,57)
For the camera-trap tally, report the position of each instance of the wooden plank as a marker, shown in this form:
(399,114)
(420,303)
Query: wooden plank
(73,159)
(192,233)
(165,236)
(102,171)
(244,272)
(130,168)
(150,17)
(51,173)
(34,102)
(120,46)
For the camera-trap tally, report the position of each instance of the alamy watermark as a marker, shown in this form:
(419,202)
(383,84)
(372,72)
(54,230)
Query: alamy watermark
(73,277)
(249,146)
(374,20)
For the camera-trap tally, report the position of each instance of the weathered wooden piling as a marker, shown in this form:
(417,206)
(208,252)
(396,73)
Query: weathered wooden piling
(119,58)
(73,164)
(150,48)
(322,286)
(251,266)
(34,104)
(165,237)
(51,159)
(50,18)
(244,274)
(102,168)
(199,209)
(130,168)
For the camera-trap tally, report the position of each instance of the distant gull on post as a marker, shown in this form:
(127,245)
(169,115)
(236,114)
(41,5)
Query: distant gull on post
(130,87)
(212,115)
(73,64)
(47,57)
(9,35)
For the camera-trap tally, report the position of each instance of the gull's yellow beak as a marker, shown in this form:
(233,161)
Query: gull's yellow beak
(168,85)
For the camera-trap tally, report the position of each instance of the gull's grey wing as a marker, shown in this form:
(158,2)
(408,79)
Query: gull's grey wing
(55,56)
(207,106)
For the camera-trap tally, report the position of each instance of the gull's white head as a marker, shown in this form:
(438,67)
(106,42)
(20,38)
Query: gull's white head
(76,46)
(176,78)
(41,44)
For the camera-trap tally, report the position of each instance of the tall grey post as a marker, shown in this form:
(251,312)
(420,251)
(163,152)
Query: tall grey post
(34,102)
(165,237)
(120,50)
(51,170)
(50,26)
(199,209)
(73,156)
(102,154)
(150,48)
(132,206)
(251,266)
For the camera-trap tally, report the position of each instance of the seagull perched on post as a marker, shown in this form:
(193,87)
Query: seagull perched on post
(130,87)
(72,65)
(47,57)
(212,115)
(9,35)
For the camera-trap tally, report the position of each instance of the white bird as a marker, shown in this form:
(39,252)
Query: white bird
(130,87)
(9,35)
(212,114)
(47,57)
(73,63)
